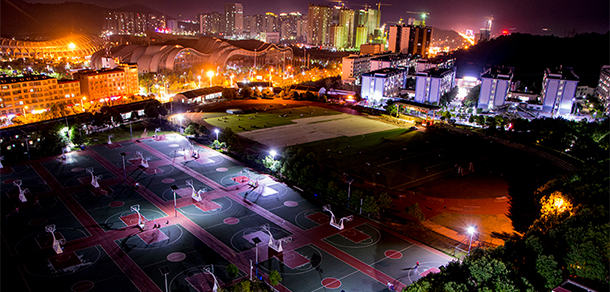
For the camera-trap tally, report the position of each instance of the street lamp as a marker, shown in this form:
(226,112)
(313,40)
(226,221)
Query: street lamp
(180,120)
(165,271)
(199,78)
(273,153)
(349,188)
(124,172)
(216,131)
(210,74)
(471,230)
(174,189)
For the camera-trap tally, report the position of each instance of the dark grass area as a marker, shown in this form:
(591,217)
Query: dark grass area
(268,118)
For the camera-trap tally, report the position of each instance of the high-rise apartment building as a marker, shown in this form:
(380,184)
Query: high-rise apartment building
(290,25)
(431,84)
(495,85)
(319,21)
(558,90)
(210,23)
(234,19)
(398,39)
(132,23)
(346,21)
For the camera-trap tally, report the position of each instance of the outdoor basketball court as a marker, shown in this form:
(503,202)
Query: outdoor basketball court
(237,206)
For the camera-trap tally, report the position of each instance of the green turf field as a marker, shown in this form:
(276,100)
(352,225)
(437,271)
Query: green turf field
(267,119)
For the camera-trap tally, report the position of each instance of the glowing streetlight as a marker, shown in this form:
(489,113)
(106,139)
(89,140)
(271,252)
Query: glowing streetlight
(180,120)
(199,77)
(71,46)
(471,230)
(210,74)
(232,76)
(272,153)
(216,131)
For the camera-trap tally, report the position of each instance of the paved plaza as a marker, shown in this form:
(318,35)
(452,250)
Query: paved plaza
(164,204)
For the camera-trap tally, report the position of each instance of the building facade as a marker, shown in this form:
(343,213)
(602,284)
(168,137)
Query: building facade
(234,19)
(108,83)
(398,39)
(210,23)
(431,84)
(380,85)
(353,68)
(495,84)
(558,90)
(35,93)
(603,87)
(319,22)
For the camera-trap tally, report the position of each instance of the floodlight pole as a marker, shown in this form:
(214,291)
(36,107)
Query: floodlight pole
(124,172)
(349,188)
(174,189)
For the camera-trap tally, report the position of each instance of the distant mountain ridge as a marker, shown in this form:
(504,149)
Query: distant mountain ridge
(23,20)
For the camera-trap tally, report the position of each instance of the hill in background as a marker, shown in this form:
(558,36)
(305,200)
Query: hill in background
(37,21)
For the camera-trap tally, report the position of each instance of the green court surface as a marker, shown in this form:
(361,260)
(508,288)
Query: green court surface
(24,231)
(385,252)
(321,267)
(69,173)
(113,154)
(217,168)
(29,180)
(267,119)
(89,268)
(161,181)
(231,223)
(181,252)
(285,203)
(107,209)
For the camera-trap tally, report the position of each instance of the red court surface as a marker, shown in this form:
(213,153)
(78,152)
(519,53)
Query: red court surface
(46,239)
(132,219)
(184,192)
(101,191)
(201,282)
(432,270)
(331,283)
(207,206)
(319,218)
(354,235)
(240,179)
(393,254)
(152,236)
(85,180)
(135,161)
(113,146)
(292,259)
(64,261)
(82,286)
(5,170)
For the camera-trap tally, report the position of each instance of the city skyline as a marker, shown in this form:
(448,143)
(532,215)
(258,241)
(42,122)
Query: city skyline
(561,18)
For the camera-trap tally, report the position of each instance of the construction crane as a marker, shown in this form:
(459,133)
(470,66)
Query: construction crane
(379,4)
(423,15)
(366,6)
(340,2)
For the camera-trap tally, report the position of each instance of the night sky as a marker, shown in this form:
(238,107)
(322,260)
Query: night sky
(526,16)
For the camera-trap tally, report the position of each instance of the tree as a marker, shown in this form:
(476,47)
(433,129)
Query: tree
(151,111)
(246,92)
(449,96)
(385,201)
(370,205)
(191,129)
(472,98)
(391,108)
(274,278)
(232,271)
(415,211)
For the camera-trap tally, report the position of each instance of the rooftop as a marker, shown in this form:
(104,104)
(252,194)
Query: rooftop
(9,80)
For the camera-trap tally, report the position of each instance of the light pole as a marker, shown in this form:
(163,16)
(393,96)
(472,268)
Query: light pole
(165,271)
(199,77)
(180,120)
(216,131)
(174,189)
(210,74)
(124,172)
(349,188)
(471,230)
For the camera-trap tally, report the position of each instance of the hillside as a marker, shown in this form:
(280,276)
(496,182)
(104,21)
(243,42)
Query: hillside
(530,55)
(24,20)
